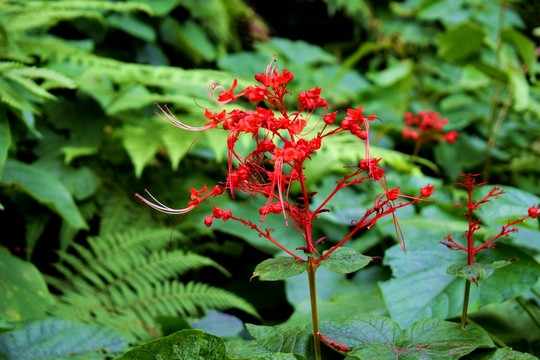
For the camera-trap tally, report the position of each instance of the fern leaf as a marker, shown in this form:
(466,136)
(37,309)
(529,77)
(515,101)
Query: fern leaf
(188,300)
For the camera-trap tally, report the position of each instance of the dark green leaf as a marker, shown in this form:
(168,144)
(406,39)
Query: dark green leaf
(52,338)
(461,41)
(345,260)
(184,344)
(45,188)
(279,268)
(284,339)
(24,292)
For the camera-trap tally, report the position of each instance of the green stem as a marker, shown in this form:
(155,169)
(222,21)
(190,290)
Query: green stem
(314,316)
(465,304)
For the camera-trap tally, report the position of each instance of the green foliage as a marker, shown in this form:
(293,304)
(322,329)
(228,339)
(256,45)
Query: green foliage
(124,280)
(25,294)
(373,337)
(52,338)
(185,344)
(78,80)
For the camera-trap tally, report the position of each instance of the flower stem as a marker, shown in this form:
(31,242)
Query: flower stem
(314,316)
(465,304)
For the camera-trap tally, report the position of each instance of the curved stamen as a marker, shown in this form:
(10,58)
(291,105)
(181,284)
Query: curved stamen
(160,207)
(171,119)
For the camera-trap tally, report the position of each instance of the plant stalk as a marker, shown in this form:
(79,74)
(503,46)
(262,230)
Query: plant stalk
(465,304)
(314,315)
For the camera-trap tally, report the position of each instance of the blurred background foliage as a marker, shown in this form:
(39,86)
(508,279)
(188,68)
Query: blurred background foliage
(78,137)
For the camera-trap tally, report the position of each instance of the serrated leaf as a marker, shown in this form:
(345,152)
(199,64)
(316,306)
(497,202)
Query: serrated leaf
(59,339)
(345,260)
(184,344)
(370,337)
(279,268)
(46,188)
(251,350)
(283,339)
(24,292)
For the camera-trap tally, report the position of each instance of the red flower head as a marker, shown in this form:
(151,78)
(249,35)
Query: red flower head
(285,141)
(427,126)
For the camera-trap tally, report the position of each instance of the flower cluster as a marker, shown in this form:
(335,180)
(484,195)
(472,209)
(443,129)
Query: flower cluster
(427,126)
(284,141)
(469,182)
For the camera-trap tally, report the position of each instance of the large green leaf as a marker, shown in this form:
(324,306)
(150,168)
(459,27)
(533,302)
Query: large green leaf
(279,268)
(370,337)
(338,296)
(24,292)
(52,338)
(422,289)
(184,344)
(461,41)
(45,188)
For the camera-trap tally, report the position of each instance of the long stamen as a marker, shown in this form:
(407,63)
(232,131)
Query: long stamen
(160,207)
(171,119)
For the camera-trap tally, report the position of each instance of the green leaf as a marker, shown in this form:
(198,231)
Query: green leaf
(279,268)
(391,74)
(475,272)
(184,344)
(24,292)
(251,350)
(53,338)
(131,25)
(421,288)
(345,260)
(140,146)
(520,88)
(300,52)
(524,46)
(45,188)
(283,339)
(461,42)
(370,337)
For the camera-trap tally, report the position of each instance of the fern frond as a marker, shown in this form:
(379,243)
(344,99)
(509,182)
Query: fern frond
(27,15)
(124,280)
(189,299)
(159,266)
